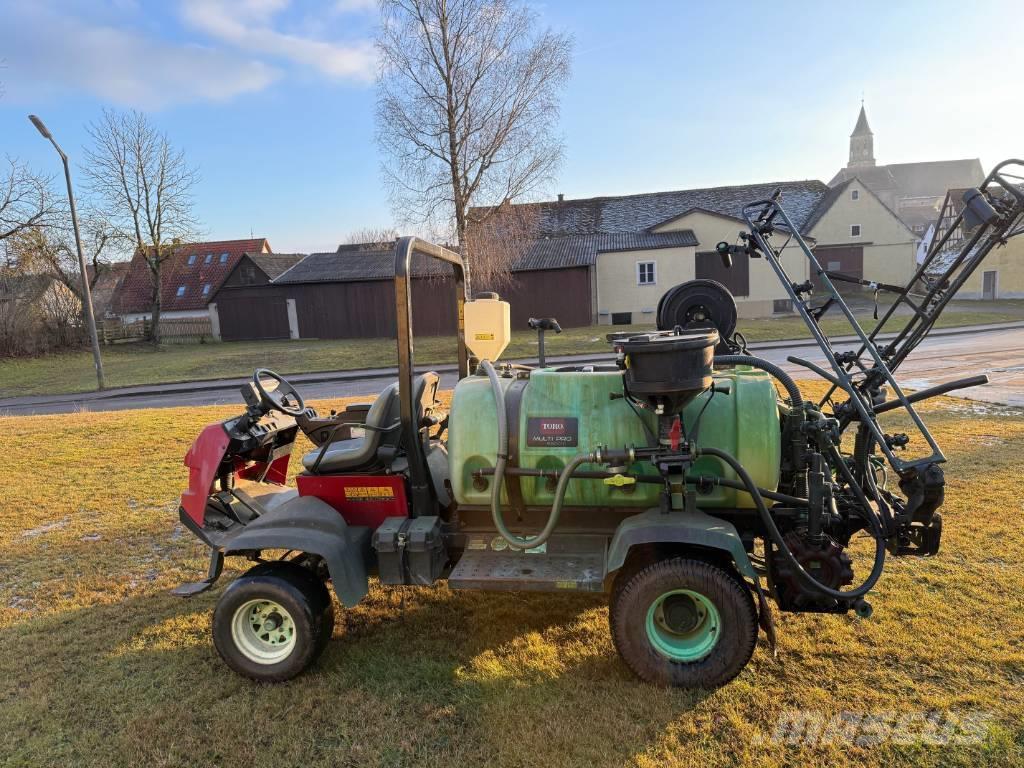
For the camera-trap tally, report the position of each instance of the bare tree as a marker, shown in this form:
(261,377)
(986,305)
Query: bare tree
(51,250)
(498,237)
(26,199)
(372,236)
(143,187)
(466,109)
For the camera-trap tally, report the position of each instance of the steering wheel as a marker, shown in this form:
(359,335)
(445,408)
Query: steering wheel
(277,397)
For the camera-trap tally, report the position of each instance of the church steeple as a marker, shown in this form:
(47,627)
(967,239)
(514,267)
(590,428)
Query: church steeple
(862,143)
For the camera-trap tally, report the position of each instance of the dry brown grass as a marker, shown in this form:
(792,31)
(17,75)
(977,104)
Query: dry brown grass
(101,666)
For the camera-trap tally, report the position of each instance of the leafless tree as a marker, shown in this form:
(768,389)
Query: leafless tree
(143,187)
(467,102)
(498,237)
(26,199)
(373,236)
(51,250)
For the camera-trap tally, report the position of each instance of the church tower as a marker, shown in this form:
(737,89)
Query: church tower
(862,143)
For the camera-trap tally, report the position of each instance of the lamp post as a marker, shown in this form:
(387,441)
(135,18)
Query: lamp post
(86,292)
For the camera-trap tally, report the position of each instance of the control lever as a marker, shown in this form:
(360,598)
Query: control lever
(542,324)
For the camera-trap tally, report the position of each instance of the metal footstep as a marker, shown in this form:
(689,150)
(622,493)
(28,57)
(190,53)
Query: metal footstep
(198,587)
(561,566)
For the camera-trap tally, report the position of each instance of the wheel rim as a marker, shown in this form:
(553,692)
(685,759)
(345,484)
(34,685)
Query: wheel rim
(683,625)
(263,631)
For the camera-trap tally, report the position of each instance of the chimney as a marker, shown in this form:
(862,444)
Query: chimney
(561,197)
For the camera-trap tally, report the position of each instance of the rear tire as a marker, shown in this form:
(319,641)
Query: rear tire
(683,623)
(273,622)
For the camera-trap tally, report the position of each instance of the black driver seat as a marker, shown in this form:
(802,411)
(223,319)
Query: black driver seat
(382,431)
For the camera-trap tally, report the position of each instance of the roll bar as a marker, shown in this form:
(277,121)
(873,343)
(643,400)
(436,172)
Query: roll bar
(405,247)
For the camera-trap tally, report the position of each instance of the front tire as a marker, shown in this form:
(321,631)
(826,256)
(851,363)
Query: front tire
(273,622)
(683,623)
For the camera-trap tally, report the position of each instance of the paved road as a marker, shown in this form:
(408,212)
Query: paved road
(998,353)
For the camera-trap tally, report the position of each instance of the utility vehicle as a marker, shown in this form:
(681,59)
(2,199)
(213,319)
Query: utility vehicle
(678,479)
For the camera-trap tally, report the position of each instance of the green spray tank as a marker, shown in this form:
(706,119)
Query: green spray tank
(558,413)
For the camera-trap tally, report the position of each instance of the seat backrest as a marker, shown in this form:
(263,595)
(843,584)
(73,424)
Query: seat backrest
(382,414)
(424,397)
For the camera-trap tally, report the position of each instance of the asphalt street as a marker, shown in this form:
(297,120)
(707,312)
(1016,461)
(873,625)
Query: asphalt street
(940,358)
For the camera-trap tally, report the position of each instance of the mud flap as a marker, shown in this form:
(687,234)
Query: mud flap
(765,617)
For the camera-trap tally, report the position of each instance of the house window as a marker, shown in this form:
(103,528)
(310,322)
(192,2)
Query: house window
(206,290)
(855,230)
(223,258)
(208,259)
(191,259)
(645,273)
(855,194)
(181,291)
(782,306)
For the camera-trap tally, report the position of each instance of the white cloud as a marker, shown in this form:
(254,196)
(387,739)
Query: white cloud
(49,53)
(247,25)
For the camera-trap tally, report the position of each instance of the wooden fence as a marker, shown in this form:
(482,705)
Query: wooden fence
(176,330)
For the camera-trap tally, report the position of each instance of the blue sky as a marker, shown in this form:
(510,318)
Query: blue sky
(273,100)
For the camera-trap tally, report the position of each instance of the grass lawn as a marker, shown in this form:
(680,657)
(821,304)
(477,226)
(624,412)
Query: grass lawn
(129,364)
(102,667)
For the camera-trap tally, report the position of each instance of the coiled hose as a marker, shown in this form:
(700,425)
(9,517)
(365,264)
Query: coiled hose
(518,542)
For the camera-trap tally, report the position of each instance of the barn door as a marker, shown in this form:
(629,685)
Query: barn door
(846,260)
(251,319)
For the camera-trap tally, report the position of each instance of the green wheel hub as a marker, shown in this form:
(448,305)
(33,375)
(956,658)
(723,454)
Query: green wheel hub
(683,625)
(263,631)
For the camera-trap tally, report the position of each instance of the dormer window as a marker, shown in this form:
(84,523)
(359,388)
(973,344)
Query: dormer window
(223,258)
(191,259)
(208,259)
(206,290)
(181,291)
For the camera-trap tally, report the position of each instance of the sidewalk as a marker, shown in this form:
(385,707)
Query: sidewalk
(391,373)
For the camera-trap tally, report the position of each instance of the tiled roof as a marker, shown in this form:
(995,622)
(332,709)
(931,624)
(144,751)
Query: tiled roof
(275,264)
(582,250)
(639,213)
(352,264)
(211,263)
(930,179)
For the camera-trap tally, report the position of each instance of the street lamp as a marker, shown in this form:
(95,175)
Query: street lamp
(86,292)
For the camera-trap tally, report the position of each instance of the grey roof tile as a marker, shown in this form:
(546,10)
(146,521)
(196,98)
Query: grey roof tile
(638,213)
(274,264)
(582,250)
(351,265)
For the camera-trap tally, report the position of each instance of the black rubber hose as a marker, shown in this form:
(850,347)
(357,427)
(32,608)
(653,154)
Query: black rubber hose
(795,398)
(776,536)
